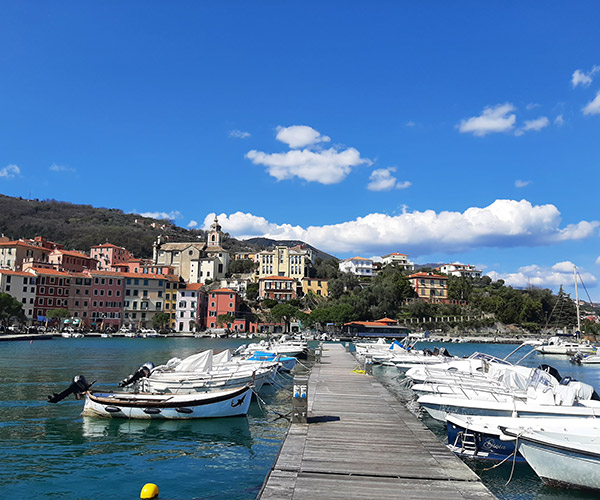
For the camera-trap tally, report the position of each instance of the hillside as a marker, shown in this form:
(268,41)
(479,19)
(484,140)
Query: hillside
(79,227)
(267,242)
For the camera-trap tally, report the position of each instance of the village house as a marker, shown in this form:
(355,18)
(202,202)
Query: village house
(398,260)
(430,287)
(21,286)
(280,288)
(358,266)
(460,270)
(108,256)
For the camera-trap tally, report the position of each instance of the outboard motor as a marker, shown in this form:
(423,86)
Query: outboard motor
(576,358)
(79,387)
(143,371)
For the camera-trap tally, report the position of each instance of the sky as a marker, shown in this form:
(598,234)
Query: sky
(449,131)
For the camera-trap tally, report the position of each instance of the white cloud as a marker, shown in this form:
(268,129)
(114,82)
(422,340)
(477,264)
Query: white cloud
(410,124)
(504,223)
(299,136)
(383,180)
(580,78)
(532,105)
(239,134)
(536,125)
(327,166)
(559,121)
(559,274)
(598,260)
(172,215)
(593,107)
(192,224)
(521,184)
(493,119)
(10,172)
(61,168)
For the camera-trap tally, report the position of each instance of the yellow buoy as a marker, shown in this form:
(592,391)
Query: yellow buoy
(149,490)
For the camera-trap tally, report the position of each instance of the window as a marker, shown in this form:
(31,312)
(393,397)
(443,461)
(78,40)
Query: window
(158,306)
(50,302)
(8,288)
(41,301)
(51,291)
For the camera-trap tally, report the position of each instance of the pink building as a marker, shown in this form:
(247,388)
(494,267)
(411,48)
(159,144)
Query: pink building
(52,291)
(109,255)
(106,306)
(223,301)
(69,260)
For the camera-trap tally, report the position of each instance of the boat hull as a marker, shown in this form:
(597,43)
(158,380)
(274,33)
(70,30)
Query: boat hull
(230,403)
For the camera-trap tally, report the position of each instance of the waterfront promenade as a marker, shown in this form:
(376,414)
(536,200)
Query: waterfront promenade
(361,442)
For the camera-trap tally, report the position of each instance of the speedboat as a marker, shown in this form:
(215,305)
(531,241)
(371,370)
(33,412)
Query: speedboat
(225,403)
(565,456)
(559,345)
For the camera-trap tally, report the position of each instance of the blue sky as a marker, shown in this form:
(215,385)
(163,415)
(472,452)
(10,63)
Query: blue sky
(465,132)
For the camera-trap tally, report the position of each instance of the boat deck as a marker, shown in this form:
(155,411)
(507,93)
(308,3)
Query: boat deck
(361,442)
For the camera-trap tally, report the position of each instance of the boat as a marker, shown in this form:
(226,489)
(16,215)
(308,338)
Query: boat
(224,403)
(284,346)
(568,456)
(586,359)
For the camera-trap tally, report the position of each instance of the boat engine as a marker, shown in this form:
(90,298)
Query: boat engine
(79,387)
(143,371)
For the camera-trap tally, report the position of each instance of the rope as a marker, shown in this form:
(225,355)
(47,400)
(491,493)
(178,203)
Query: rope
(512,470)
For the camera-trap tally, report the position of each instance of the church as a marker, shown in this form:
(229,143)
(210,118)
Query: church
(195,262)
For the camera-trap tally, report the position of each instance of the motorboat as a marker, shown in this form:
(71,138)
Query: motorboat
(561,345)
(225,403)
(586,359)
(284,346)
(565,456)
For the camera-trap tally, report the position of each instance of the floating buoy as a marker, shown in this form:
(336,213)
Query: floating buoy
(31,341)
(149,490)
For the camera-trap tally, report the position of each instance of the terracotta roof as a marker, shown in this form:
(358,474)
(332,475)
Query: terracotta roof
(24,244)
(194,286)
(367,323)
(427,275)
(14,273)
(73,253)
(396,253)
(106,245)
(222,290)
(143,276)
(357,258)
(43,270)
(105,273)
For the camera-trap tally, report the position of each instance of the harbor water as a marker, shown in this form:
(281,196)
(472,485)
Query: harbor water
(50,451)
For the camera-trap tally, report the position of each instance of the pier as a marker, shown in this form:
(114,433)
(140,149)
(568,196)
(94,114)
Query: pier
(361,442)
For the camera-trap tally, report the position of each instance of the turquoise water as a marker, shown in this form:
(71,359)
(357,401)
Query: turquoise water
(50,451)
(524,484)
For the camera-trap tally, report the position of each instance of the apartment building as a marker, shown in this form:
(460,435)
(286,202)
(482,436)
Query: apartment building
(284,261)
(107,297)
(52,290)
(21,286)
(144,298)
(317,286)
(398,260)
(277,288)
(108,256)
(223,301)
(460,270)
(358,266)
(190,308)
(69,260)
(430,287)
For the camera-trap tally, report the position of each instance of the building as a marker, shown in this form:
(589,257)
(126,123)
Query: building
(172,286)
(190,308)
(464,270)
(52,291)
(399,260)
(220,302)
(291,262)
(80,299)
(280,288)
(195,262)
(21,286)
(14,253)
(143,266)
(358,266)
(430,287)
(69,260)
(385,327)
(144,298)
(106,307)
(316,286)
(108,256)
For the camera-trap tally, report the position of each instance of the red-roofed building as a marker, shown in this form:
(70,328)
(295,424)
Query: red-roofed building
(52,290)
(106,306)
(70,260)
(14,253)
(398,260)
(277,288)
(109,255)
(430,287)
(223,301)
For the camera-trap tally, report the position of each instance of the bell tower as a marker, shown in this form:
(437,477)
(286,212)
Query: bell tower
(215,235)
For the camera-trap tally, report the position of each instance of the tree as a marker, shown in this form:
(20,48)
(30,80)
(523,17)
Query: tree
(243,266)
(10,308)
(225,320)
(58,314)
(285,313)
(160,321)
(252,291)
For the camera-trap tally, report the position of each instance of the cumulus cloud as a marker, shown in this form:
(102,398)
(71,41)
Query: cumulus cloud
(383,180)
(598,260)
(521,184)
(10,172)
(493,119)
(504,223)
(580,78)
(61,168)
(312,164)
(593,107)
(192,224)
(239,134)
(536,125)
(172,215)
(559,274)
(300,136)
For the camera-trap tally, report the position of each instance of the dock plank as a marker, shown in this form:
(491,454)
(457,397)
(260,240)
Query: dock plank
(361,442)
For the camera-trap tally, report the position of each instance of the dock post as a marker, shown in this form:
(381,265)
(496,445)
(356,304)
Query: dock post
(348,346)
(300,400)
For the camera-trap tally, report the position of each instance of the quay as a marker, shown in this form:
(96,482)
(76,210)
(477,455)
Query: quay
(361,442)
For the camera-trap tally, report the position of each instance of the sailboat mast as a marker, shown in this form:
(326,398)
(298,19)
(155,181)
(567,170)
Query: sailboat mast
(577,301)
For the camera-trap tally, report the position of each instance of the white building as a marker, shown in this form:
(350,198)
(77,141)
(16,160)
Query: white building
(21,286)
(189,302)
(398,260)
(358,266)
(465,270)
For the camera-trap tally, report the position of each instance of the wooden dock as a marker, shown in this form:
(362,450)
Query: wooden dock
(362,443)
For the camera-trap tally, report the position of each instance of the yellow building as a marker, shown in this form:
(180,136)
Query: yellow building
(316,286)
(284,261)
(430,287)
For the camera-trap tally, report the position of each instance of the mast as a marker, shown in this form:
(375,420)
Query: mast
(577,301)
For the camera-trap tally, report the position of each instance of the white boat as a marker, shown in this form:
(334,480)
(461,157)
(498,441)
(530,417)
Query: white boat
(559,345)
(586,359)
(568,456)
(284,346)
